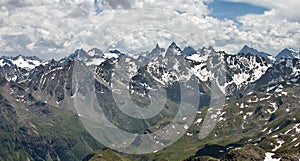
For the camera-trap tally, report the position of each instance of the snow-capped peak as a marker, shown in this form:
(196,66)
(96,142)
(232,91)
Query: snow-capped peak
(157,50)
(93,56)
(24,62)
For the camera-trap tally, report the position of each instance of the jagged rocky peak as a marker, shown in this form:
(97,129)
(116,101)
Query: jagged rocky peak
(208,50)
(203,54)
(211,48)
(174,49)
(173,45)
(93,56)
(79,54)
(157,50)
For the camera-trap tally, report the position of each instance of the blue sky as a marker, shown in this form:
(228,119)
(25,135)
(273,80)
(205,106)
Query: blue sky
(231,10)
(56,28)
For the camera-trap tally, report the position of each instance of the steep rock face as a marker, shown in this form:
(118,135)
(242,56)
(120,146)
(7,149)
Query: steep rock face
(12,73)
(52,83)
(235,72)
(284,71)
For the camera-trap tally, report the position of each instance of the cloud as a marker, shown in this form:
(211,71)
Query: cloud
(32,27)
(55,28)
(270,33)
(277,28)
(198,7)
(285,9)
(35,26)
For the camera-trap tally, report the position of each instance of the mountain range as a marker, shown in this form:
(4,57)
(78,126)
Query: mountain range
(94,56)
(261,112)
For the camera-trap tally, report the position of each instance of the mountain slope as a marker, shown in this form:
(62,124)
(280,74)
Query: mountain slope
(269,122)
(34,130)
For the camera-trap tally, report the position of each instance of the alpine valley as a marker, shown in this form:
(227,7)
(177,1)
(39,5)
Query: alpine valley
(260,118)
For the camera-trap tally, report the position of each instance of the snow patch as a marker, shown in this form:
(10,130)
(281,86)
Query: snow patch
(198,121)
(186,127)
(280,142)
(242,106)
(294,139)
(241,78)
(266,98)
(96,61)
(274,106)
(110,55)
(296,128)
(269,157)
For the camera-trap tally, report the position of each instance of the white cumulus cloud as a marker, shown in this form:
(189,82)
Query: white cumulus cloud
(55,28)
(281,8)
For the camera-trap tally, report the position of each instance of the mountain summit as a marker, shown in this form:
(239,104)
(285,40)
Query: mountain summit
(288,53)
(246,50)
